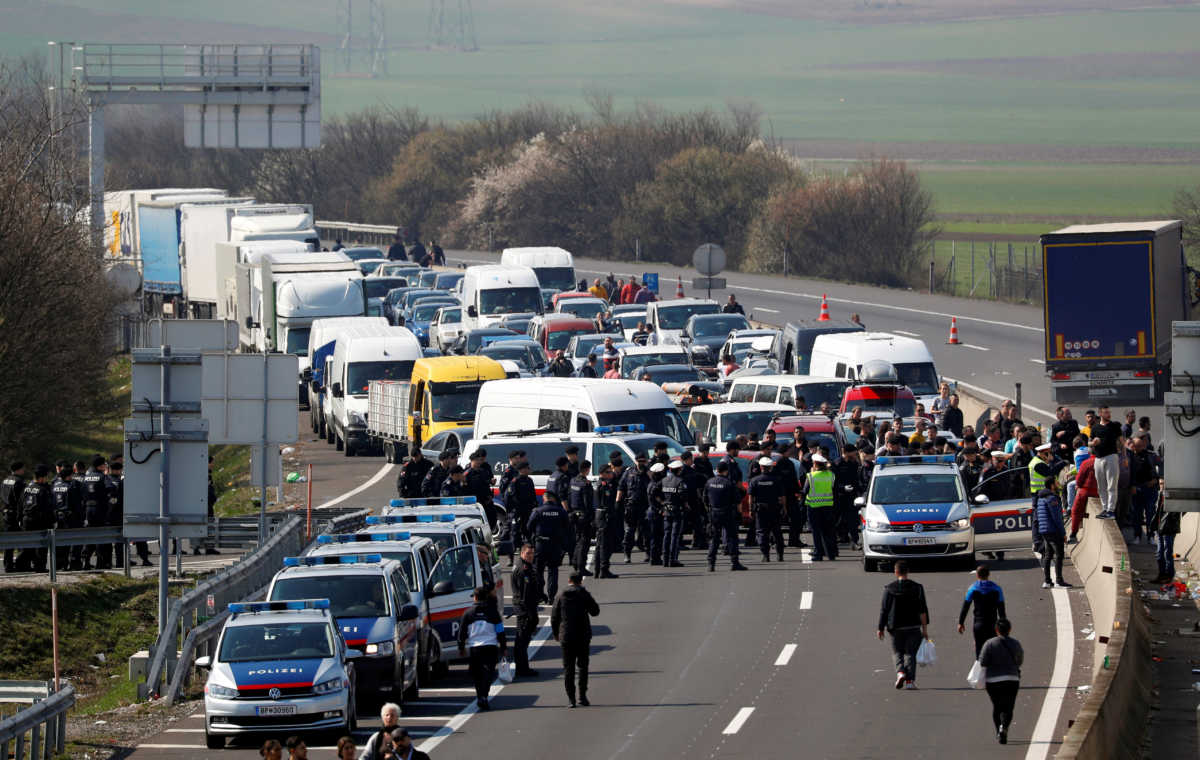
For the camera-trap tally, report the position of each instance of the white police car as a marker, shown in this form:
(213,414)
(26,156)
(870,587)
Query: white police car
(917,508)
(459,506)
(374,611)
(279,666)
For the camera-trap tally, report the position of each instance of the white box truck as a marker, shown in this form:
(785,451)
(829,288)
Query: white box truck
(387,417)
(386,353)
(120,214)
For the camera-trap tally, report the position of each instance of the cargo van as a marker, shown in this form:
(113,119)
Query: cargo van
(570,405)
(489,292)
(381,353)
(321,341)
(554,267)
(445,391)
(844,354)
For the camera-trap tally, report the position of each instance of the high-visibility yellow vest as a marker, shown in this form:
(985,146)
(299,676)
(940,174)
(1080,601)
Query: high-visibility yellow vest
(1037,482)
(820,489)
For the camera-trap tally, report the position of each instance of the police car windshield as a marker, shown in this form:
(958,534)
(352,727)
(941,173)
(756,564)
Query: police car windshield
(349,595)
(271,641)
(665,422)
(360,374)
(745,423)
(443,541)
(916,488)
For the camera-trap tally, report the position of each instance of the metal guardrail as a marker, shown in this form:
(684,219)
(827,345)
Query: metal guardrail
(38,732)
(52,539)
(353,233)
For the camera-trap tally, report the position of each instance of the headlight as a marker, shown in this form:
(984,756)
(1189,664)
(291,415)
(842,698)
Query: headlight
(216,690)
(357,419)
(960,524)
(328,687)
(383,648)
(878,527)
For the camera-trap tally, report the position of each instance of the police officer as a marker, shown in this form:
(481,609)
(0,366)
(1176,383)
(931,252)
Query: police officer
(115,516)
(766,500)
(549,527)
(478,483)
(606,516)
(676,500)
(453,486)
(721,496)
(37,513)
(788,469)
(846,481)
(431,484)
(631,494)
(520,499)
(412,474)
(95,512)
(572,453)
(655,506)
(12,489)
(510,473)
(696,514)
(661,454)
(559,482)
(818,496)
(68,513)
(526,591)
(583,514)
(702,463)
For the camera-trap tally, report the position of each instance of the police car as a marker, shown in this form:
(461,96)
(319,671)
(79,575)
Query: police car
(446,530)
(279,666)
(373,609)
(459,506)
(917,508)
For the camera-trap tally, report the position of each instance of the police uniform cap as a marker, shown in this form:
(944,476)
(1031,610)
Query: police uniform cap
(820,459)
(657,467)
(479,454)
(448,454)
(1044,447)
(767,461)
(676,464)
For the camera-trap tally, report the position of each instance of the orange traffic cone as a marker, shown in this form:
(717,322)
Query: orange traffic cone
(824,309)
(953,332)
(679,289)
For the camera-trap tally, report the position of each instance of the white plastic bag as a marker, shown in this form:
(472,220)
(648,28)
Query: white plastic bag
(927,653)
(975,676)
(504,671)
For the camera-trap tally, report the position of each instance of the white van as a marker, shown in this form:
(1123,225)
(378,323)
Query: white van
(490,291)
(669,317)
(844,354)
(785,389)
(321,341)
(554,267)
(568,405)
(380,353)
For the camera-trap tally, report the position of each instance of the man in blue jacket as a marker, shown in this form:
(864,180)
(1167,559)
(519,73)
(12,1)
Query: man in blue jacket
(1049,518)
(988,599)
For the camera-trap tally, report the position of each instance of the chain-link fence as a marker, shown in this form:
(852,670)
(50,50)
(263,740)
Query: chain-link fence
(993,270)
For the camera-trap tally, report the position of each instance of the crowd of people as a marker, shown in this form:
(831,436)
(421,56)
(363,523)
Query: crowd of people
(390,742)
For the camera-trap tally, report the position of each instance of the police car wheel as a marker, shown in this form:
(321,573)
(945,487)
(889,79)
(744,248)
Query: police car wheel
(214,742)
(999,556)
(424,674)
(413,692)
(870,565)
(338,444)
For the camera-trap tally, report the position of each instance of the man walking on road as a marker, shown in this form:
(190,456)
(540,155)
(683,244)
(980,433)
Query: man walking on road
(988,599)
(1106,438)
(1048,517)
(904,614)
(1001,660)
(481,630)
(525,595)
(573,631)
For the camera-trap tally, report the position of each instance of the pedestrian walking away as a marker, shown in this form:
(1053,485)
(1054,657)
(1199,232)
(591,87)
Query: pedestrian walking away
(767,504)
(988,601)
(674,507)
(1001,659)
(526,594)
(37,513)
(632,494)
(572,628)
(583,515)
(904,615)
(389,715)
(481,633)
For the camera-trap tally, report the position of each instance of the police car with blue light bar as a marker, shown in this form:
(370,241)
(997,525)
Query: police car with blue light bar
(279,666)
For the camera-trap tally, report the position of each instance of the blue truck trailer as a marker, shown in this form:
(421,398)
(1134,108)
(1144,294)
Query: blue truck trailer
(1111,292)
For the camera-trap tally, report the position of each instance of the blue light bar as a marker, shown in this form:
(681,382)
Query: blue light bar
(915,459)
(396,519)
(340,559)
(637,428)
(296,604)
(350,538)
(433,501)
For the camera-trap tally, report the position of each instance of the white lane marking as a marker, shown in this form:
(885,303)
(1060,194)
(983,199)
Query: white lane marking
(972,345)
(806,556)
(426,718)
(806,600)
(1064,655)
(170,746)
(738,721)
(783,659)
(998,397)
(196,715)
(1038,361)
(906,332)
(374,479)
(184,731)
(763,308)
(466,690)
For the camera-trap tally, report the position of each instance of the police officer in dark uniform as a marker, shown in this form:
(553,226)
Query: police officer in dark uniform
(431,484)
(526,591)
(702,463)
(520,499)
(675,508)
(616,515)
(721,497)
(791,495)
(655,508)
(631,494)
(661,454)
(95,512)
(115,517)
(696,515)
(37,513)
(551,532)
(606,498)
(479,484)
(412,474)
(846,481)
(68,513)
(12,489)
(509,475)
(583,514)
(559,482)
(453,485)
(572,453)
(766,500)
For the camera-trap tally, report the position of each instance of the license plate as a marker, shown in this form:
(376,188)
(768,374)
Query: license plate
(919,541)
(276,710)
(1101,383)
(1101,375)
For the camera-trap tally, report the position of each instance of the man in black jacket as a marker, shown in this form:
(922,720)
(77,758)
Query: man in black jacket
(481,630)
(396,250)
(37,513)
(573,631)
(520,499)
(549,528)
(431,484)
(11,491)
(412,474)
(582,502)
(904,614)
(631,495)
(478,483)
(525,596)
(952,417)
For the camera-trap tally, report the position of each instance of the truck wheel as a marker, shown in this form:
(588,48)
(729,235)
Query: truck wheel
(214,742)
(328,432)
(349,450)
(869,565)
(338,443)
(999,556)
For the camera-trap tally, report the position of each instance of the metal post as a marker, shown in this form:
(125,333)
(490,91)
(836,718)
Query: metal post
(96,173)
(637,249)
(308,509)
(1018,400)
(931,275)
(54,629)
(164,499)
(262,506)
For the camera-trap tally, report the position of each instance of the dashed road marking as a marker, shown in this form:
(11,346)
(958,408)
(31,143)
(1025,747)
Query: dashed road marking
(806,599)
(1038,361)
(769,311)
(975,347)
(786,655)
(738,721)
(806,557)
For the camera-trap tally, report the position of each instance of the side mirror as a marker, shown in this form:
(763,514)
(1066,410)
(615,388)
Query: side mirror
(337,390)
(353,654)
(442,588)
(249,323)
(204,662)
(471,311)
(860,502)
(409,612)
(981,499)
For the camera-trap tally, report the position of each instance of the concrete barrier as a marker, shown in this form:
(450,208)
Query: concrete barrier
(1112,721)
(1187,543)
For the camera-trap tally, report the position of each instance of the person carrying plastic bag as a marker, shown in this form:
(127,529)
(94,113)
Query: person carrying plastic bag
(1000,660)
(904,614)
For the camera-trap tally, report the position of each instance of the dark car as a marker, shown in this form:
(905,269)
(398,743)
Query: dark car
(517,322)
(376,290)
(447,440)
(527,354)
(391,303)
(359,253)
(470,341)
(704,334)
(669,373)
(447,280)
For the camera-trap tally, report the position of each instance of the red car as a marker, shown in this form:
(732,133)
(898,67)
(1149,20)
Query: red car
(818,429)
(880,401)
(554,331)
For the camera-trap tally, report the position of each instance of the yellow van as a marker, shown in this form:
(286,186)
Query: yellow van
(444,392)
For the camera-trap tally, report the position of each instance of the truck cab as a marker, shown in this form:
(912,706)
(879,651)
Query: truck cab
(445,391)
